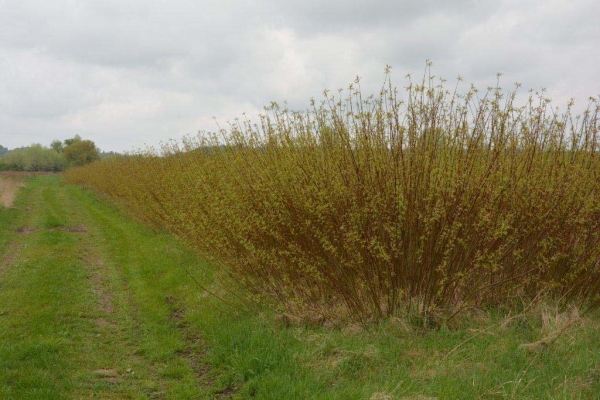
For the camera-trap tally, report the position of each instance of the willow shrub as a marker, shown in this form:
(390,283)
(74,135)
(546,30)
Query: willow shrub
(364,208)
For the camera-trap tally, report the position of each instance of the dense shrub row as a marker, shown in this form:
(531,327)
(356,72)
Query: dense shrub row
(33,158)
(367,207)
(57,157)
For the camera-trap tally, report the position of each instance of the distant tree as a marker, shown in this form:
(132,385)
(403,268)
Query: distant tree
(75,139)
(57,145)
(34,158)
(80,152)
(3,150)
(109,154)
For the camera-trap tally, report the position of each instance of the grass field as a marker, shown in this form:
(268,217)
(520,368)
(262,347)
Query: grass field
(93,304)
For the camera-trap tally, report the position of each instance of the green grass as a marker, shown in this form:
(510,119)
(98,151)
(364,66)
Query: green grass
(76,318)
(93,304)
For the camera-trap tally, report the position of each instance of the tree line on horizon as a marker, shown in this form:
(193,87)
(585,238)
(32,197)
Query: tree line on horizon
(54,158)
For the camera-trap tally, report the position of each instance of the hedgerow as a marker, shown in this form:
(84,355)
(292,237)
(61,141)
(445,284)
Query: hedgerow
(426,200)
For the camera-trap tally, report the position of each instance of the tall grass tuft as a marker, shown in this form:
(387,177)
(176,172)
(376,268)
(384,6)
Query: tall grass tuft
(366,207)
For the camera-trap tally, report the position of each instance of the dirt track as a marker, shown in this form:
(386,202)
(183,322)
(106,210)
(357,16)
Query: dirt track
(9,186)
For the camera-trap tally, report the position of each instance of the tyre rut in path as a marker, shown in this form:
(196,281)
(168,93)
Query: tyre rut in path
(125,263)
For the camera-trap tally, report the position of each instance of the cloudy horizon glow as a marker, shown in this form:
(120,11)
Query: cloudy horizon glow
(131,73)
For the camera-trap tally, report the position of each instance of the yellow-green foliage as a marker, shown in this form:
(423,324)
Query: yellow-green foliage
(365,207)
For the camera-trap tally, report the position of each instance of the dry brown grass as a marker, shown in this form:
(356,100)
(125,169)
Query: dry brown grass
(554,324)
(9,186)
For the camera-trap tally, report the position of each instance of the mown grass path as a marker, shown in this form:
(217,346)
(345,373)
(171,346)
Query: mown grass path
(75,320)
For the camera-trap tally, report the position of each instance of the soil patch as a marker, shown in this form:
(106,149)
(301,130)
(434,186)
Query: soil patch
(99,286)
(98,282)
(107,374)
(194,350)
(25,230)
(74,229)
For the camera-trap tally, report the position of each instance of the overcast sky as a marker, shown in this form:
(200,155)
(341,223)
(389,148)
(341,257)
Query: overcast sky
(125,73)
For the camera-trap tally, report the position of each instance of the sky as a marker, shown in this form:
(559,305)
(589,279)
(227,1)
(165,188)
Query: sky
(133,73)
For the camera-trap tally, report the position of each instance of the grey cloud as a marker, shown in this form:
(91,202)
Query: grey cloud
(42,90)
(120,34)
(128,72)
(313,16)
